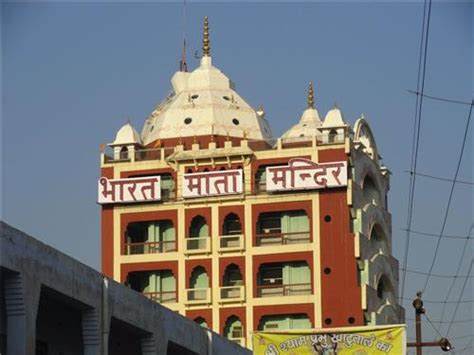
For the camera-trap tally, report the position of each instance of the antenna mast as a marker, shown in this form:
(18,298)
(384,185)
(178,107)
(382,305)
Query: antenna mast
(183,66)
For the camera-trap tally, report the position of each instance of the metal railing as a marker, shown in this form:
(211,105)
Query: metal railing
(150,247)
(231,242)
(162,296)
(198,295)
(198,245)
(283,238)
(283,290)
(232,294)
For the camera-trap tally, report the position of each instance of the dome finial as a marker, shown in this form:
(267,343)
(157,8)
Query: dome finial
(206,49)
(310,95)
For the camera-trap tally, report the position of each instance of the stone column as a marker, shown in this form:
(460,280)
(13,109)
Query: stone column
(21,303)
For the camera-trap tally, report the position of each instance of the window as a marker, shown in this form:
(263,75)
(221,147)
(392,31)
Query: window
(235,121)
(232,276)
(124,153)
(188,120)
(157,285)
(284,322)
(150,237)
(198,228)
(233,328)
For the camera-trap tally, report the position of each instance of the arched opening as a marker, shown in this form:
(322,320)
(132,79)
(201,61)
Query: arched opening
(199,285)
(384,289)
(285,227)
(124,153)
(158,285)
(232,225)
(233,329)
(371,193)
(201,321)
(284,279)
(232,276)
(332,137)
(378,239)
(198,227)
(284,322)
(198,234)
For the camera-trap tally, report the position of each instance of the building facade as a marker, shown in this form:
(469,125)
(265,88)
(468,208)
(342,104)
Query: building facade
(208,214)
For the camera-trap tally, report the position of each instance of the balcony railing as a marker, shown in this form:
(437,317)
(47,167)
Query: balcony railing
(283,290)
(162,296)
(232,294)
(198,296)
(233,242)
(150,247)
(283,238)
(198,245)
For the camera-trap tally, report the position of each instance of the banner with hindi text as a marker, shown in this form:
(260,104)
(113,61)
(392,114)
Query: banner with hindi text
(375,340)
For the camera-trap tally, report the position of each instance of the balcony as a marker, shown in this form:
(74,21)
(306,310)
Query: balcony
(268,239)
(162,296)
(198,245)
(228,243)
(229,294)
(150,247)
(283,290)
(196,296)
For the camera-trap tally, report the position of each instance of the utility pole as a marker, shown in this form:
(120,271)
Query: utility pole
(443,343)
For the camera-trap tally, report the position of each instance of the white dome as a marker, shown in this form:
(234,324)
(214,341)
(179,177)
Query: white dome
(307,126)
(127,135)
(334,118)
(204,102)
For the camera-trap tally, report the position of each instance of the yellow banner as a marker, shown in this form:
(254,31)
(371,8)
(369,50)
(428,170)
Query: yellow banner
(341,341)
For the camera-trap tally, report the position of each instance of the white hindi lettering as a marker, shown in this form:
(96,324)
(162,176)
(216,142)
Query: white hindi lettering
(303,174)
(224,182)
(129,190)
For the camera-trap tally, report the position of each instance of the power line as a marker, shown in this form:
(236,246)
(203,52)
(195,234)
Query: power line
(460,296)
(438,275)
(439,178)
(426,234)
(439,301)
(440,98)
(451,193)
(439,321)
(416,128)
(451,287)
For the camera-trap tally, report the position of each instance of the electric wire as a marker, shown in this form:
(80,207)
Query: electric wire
(440,98)
(451,287)
(439,301)
(458,303)
(454,277)
(439,178)
(416,129)
(426,234)
(451,193)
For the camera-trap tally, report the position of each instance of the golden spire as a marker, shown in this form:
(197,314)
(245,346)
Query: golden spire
(206,49)
(310,95)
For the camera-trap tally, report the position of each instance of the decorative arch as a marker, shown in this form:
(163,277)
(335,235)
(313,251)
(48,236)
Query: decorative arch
(198,228)
(232,276)
(233,328)
(232,224)
(371,191)
(199,278)
(384,288)
(363,135)
(124,153)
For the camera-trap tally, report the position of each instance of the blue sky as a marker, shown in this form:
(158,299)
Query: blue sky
(74,72)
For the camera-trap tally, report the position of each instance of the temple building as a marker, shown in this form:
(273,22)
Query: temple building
(210,215)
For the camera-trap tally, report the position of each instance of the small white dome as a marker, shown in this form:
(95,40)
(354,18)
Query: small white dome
(307,126)
(334,118)
(127,135)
